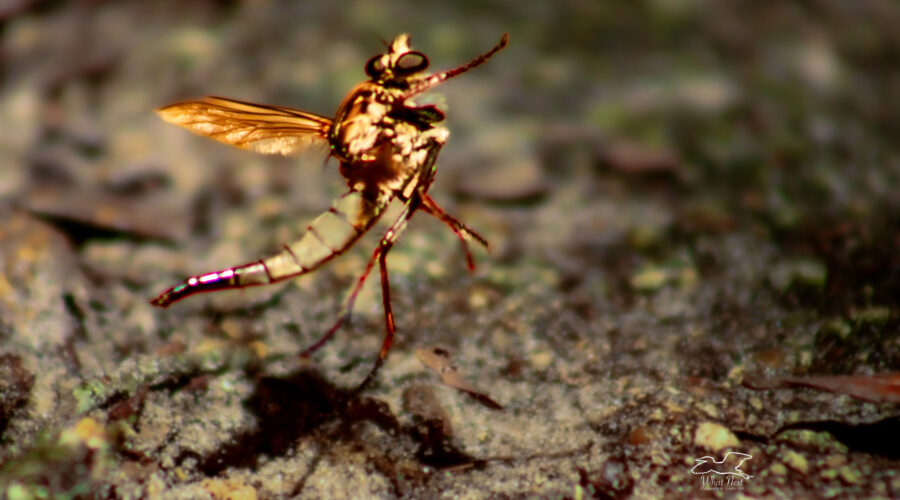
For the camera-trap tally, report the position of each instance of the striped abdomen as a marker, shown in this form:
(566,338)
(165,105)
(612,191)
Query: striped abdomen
(329,235)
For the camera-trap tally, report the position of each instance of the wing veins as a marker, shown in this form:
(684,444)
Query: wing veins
(267,129)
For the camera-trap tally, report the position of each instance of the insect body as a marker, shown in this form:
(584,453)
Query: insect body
(387,148)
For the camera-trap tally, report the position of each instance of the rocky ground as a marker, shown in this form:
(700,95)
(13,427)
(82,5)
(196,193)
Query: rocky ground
(693,209)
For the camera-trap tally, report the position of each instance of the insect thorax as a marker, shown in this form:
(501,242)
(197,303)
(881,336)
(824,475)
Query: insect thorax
(382,139)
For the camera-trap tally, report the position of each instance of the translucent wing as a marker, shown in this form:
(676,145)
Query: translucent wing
(259,127)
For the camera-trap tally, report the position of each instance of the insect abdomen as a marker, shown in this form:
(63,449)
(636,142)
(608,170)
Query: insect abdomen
(329,235)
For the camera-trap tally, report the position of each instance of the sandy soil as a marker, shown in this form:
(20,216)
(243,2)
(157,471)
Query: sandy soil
(683,199)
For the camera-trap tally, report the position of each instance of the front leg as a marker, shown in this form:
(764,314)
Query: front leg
(458,227)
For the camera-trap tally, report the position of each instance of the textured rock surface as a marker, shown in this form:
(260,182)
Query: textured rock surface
(679,196)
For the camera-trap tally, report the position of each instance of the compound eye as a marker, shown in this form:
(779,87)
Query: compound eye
(374,68)
(411,62)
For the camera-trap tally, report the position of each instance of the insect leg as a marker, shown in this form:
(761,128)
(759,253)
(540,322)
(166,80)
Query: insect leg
(431,206)
(345,310)
(389,326)
(458,227)
(390,236)
(437,78)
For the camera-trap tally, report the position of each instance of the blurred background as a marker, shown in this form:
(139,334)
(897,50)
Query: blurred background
(673,189)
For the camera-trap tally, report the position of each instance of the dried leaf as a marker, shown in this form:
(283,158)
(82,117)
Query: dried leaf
(883,388)
(440,362)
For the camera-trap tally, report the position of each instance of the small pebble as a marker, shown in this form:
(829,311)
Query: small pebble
(649,279)
(850,474)
(542,359)
(796,461)
(715,437)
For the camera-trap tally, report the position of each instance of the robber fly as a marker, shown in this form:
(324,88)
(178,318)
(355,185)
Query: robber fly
(386,146)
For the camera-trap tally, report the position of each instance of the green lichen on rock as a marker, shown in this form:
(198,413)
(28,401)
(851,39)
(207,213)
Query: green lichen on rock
(91,394)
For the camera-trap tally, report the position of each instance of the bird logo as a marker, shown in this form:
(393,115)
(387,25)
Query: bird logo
(730,465)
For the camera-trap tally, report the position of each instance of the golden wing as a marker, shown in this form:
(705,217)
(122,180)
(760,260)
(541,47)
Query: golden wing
(259,127)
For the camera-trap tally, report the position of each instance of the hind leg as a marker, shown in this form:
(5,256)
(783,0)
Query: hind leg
(379,255)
